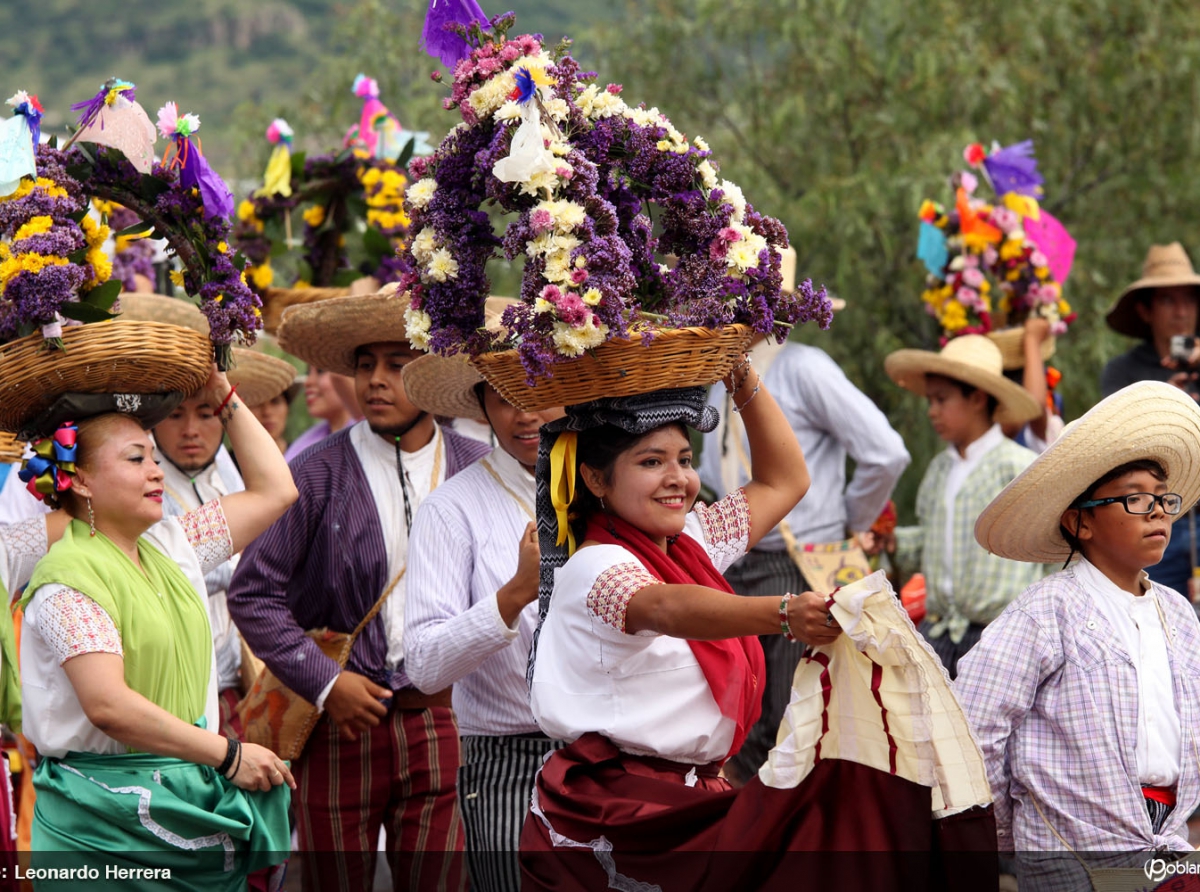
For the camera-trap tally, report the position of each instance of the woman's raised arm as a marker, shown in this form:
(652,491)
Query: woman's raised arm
(778,474)
(270,489)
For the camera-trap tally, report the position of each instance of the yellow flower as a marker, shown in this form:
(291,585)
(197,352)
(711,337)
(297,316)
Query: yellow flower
(177,278)
(104,207)
(954,318)
(28,263)
(372,176)
(124,241)
(1012,275)
(245,210)
(101,268)
(1011,249)
(223,247)
(1064,308)
(315,215)
(35,226)
(263,276)
(1041,272)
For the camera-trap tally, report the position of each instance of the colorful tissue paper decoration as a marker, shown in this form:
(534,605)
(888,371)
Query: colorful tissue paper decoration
(581,169)
(186,154)
(113,118)
(52,261)
(278,177)
(19,136)
(991,263)
(440,37)
(378,132)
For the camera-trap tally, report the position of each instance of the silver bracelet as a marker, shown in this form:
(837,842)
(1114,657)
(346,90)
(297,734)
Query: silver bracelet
(753,394)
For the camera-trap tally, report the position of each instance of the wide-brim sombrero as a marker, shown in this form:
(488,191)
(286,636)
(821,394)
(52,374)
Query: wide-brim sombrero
(1166,266)
(972,359)
(1147,420)
(160,308)
(445,385)
(327,333)
(258,376)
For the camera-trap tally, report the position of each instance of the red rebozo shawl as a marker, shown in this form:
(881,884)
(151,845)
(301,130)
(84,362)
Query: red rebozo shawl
(733,667)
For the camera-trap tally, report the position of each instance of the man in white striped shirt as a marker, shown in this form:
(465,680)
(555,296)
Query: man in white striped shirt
(471,611)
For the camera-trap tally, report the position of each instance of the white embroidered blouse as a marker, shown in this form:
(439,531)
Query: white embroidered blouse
(645,692)
(61,623)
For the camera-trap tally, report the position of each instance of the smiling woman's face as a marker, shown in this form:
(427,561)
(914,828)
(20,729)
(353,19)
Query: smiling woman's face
(118,474)
(652,484)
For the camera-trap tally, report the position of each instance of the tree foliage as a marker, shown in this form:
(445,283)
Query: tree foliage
(839,117)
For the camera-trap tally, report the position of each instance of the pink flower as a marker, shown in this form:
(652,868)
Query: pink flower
(973,277)
(579,276)
(489,67)
(970,261)
(1004,218)
(990,256)
(729,234)
(510,53)
(969,298)
(613,88)
(551,293)
(541,221)
(572,309)
(969,181)
(564,173)
(1037,258)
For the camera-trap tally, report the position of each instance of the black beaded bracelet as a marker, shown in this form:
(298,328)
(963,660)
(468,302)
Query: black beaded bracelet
(230,753)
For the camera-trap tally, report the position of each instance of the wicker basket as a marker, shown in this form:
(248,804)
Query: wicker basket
(103,357)
(1011,343)
(11,449)
(678,357)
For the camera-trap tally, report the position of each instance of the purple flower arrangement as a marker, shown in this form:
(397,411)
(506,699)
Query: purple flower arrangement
(211,270)
(602,193)
(51,255)
(133,254)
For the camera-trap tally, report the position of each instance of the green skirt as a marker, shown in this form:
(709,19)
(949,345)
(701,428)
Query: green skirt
(135,812)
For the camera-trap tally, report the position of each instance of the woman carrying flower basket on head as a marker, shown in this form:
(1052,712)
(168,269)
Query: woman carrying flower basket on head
(651,665)
(117,660)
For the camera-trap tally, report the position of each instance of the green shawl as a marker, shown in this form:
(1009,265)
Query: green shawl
(162,621)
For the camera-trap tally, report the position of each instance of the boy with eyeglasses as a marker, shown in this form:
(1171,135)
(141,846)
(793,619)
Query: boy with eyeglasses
(1082,694)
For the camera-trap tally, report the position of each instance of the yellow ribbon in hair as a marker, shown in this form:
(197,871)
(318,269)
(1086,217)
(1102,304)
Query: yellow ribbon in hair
(562,485)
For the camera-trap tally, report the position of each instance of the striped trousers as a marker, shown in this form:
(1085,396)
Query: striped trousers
(495,783)
(398,776)
(767,573)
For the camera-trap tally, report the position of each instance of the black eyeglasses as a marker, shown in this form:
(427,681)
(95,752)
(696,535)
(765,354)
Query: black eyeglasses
(1141,502)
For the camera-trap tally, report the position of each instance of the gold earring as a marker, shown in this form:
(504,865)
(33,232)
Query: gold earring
(91,519)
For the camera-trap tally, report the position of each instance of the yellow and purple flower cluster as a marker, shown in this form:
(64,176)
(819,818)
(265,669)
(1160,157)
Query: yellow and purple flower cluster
(581,169)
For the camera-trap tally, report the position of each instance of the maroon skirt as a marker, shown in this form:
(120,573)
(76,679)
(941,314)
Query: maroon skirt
(606,819)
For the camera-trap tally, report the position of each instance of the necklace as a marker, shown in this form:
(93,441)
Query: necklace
(404,481)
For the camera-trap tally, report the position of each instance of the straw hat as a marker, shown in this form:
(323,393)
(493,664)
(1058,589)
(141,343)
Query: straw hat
(1165,266)
(259,377)
(1148,420)
(326,333)
(972,359)
(445,385)
(160,308)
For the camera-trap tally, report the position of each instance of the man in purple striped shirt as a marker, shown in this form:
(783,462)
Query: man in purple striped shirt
(383,754)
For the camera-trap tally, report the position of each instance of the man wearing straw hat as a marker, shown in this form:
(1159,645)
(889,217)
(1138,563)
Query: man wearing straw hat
(1160,307)
(1082,694)
(383,754)
(833,420)
(472,610)
(969,399)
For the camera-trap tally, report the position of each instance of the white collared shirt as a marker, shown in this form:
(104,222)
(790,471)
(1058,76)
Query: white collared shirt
(378,457)
(466,543)
(960,469)
(1139,629)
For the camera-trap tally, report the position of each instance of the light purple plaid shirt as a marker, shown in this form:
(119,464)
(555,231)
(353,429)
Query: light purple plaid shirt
(1052,698)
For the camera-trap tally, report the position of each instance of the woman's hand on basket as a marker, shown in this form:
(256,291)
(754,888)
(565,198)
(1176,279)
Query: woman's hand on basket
(261,769)
(810,620)
(216,388)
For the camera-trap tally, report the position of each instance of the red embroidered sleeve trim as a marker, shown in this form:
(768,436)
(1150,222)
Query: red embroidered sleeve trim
(610,594)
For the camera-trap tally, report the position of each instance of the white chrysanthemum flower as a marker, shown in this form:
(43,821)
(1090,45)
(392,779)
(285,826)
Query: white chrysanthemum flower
(572,341)
(607,105)
(568,215)
(558,108)
(541,305)
(442,266)
(510,111)
(708,175)
(592,296)
(559,148)
(540,183)
(417,324)
(539,245)
(420,193)
(424,245)
(586,100)
(701,143)
(734,196)
(743,254)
